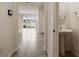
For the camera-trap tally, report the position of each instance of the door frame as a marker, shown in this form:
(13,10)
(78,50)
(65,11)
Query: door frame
(21,28)
(53,42)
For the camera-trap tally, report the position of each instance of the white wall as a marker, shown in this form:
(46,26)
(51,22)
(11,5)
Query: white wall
(64,11)
(15,26)
(25,8)
(7,29)
(41,18)
(74,22)
(45,26)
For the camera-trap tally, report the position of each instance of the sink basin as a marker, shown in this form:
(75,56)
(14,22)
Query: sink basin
(65,30)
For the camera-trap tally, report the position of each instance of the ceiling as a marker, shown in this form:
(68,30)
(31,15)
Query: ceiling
(35,4)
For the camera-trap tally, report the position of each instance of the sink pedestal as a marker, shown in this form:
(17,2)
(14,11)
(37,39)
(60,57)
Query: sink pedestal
(61,45)
(62,35)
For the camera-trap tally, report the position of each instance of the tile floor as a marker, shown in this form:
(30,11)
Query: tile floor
(32,44)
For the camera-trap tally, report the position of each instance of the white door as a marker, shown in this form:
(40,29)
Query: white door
(53,42)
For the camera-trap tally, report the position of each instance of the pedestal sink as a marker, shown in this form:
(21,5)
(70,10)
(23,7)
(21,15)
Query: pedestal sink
(65,31)
(62,34)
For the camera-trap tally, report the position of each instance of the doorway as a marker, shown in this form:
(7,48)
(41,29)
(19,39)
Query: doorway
(28,41)
(29,29)
(31,44)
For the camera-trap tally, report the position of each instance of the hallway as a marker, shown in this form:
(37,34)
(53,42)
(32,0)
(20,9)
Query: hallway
(32,44)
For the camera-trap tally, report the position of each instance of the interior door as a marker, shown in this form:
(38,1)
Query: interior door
(55,30)
(53,42)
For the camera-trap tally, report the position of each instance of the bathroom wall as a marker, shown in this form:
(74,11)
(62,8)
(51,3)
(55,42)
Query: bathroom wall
(74,25)
(64,12)
(64,20)
(45,26)
(7,28)
(71,9)
(41,18)
(15,26)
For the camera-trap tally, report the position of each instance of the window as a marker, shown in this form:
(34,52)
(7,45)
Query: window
(29,21)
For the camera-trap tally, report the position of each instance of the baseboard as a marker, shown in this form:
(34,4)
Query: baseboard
(75,53)
(13,52)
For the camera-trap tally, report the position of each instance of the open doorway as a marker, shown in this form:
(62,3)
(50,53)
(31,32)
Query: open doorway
(28,40)
(29,29)
(31,44)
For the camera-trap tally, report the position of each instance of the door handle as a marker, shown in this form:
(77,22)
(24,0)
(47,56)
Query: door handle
(54,30)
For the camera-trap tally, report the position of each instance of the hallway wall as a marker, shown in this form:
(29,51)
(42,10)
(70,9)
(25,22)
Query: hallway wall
(7,29)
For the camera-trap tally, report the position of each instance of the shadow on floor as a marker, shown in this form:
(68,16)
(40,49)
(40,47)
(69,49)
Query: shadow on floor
(68,54)
(42,54)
